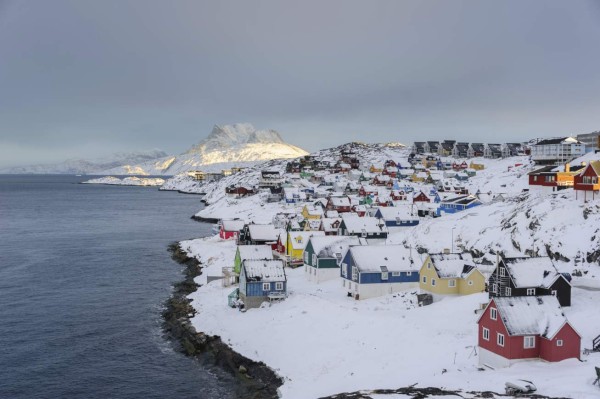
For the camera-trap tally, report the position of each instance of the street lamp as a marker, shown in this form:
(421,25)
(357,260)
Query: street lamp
(452,251)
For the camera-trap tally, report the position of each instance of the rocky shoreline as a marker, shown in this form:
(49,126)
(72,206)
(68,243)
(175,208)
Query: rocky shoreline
(205,220)
(256,379)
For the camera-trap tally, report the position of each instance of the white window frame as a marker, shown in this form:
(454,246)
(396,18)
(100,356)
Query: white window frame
(470,282)
(266,286)
(529,342)
(500,339)
(530,291)
(305,257)
(385,276)
(554,293)
(279,286)
(314,260)
(493,313)
(502,272)
(408,274)
(486,334)
(559,342)
(451,283)
(344,269)
(354,273)
(395,274)
(507,291)
(495,288)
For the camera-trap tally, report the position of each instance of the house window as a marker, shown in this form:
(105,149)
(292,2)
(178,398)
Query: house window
(344,270)
(314,260)
(486,334)
(559,342)
(429,265)
(395,274)
(500,339)
(470,282)
(306,257)
(433,282)
(408,274)
(266,286)
(384,275)
(493,314)
(554,292)
(530,291)
(424,279)
(354,273)
(502,272)
(494,288)
(507,291)
(452,283)
(279,286)
(529,342)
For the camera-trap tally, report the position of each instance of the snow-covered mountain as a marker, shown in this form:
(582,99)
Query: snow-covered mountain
(90,167)
(228,145)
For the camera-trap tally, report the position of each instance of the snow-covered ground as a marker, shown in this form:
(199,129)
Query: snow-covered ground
(127,181)
(322,342)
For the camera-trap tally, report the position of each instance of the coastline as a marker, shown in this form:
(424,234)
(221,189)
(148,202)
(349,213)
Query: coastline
(256,379)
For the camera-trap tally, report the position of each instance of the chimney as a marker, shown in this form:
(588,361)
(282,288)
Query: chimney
(446,251)
(583,163)
(567,167)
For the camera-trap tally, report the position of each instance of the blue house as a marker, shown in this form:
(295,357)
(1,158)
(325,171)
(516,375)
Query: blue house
(399,216)
(377,270)
(457,204)
(262,281)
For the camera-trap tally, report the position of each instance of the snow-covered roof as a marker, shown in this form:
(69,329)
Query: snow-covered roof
(328,246)
(299,239)
(330,224)
(356,224)
(232,225)
(255,252)
(263,232)
(396,212)
(340,201)
(264,270)
(313,210)
(453,265)
(332,214)
(532,272)
(530,315)
(371,258)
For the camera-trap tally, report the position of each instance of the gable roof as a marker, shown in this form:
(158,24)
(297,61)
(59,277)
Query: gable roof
(532,272)
(453,265)
(255,252)
(328,246)
(263,232)
(264,270)
(395,213)
(356,224)
(299,239)
(530,315)
(394,258)
(233,225)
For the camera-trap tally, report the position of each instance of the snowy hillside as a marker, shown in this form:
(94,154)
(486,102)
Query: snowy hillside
(92,167)
(234,145)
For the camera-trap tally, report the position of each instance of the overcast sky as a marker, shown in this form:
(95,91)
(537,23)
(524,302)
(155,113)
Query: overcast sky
(89,78)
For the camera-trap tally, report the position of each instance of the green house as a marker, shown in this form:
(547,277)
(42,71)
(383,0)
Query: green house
(322,254)
(250,252)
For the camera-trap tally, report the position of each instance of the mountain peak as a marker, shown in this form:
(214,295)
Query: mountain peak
(227,136)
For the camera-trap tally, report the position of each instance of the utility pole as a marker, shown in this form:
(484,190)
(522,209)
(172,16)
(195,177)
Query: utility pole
(452,251)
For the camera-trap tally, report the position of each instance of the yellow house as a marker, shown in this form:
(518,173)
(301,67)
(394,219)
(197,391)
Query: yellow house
(312,212)
(296,242)
(450,274)
(376,169)
(476,166)
(418,177)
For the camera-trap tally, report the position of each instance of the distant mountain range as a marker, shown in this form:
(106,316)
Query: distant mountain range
(228,145)
(89,167)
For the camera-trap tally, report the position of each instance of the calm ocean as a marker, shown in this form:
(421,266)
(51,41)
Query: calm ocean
(84,272)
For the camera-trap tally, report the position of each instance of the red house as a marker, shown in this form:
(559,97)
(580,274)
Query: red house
(398,195)
(421,197)
(587,183)
(229,229)
(461,166)
(513,329)
(340,204)
(381,180)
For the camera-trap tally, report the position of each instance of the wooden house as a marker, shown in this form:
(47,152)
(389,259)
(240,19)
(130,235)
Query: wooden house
(259,234)
(251,252)
(460,150)
(457,204)
(450,274)
(475,150)
(529,277)
(420,197)
(366,227)
(514,329)
(296,242)
(340,204)
(314,212)
(431,147)
(492,151)
(476,166)
(418,147)
(376,168)
(445,148)
(262,281)
(323,254)
(372,271)
(229,229)
(330,225)
(397,216)
(587,182)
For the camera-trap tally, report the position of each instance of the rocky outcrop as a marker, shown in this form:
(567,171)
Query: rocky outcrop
(256,379)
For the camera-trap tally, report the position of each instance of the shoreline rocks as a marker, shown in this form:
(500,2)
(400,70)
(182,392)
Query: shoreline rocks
(256,379)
